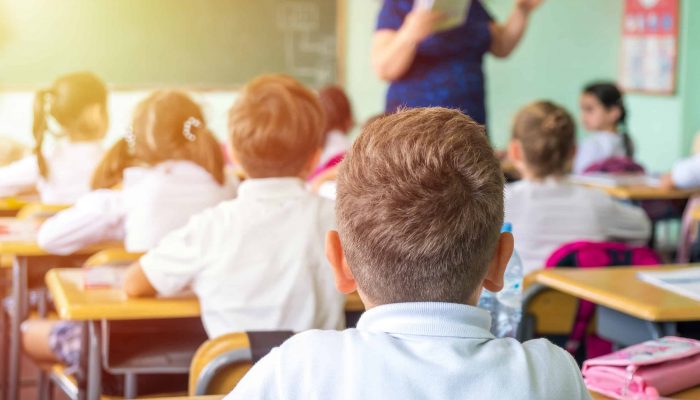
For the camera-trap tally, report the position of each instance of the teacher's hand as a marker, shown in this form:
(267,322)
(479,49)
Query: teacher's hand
(420,23)
(528,6)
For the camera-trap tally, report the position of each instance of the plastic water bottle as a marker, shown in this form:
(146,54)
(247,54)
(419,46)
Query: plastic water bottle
(488,302)
(510,299)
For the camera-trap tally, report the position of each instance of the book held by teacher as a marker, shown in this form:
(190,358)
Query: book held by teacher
(455,11)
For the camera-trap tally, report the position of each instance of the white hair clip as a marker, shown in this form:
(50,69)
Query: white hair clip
(187,128)
(130,139)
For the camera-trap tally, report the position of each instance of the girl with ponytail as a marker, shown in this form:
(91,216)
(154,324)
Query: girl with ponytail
(73,111)
(546,210)
(168,167)
(603,113)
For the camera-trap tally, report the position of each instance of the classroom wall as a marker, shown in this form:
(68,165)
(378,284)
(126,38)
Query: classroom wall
(569,43)
(664,126)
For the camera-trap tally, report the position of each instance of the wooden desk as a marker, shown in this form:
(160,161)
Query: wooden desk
(94,305)
(73,303)
(690,394)
(21,245)
(641,193)
(634,305)
(619,289)
(10,206)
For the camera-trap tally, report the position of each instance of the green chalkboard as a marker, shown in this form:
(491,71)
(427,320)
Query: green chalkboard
(204,43)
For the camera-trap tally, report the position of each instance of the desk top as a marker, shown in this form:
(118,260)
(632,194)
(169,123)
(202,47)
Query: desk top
(77,304)
(18,238)
(641,192)
(620,289)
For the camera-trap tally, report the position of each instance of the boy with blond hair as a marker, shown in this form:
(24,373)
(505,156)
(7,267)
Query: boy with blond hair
(257,262)
(419,208)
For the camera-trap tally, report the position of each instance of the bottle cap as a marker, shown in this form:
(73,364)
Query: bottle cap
(507,228)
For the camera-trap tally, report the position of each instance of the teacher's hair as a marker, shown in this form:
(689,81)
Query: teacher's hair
(610,96)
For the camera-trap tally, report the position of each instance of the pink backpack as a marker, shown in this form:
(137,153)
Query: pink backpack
(596,255)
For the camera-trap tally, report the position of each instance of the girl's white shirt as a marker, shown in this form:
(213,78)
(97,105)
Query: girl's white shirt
(70,166)
(597,147)
(153,201)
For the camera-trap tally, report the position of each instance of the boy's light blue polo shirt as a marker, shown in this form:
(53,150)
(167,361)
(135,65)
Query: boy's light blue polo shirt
(414,351)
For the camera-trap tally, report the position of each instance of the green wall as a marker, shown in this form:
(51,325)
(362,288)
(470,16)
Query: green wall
(569,43)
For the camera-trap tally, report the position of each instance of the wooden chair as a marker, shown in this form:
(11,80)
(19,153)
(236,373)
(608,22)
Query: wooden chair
(546,312)
(220,363)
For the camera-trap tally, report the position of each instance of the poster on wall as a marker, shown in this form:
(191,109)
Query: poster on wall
(650,46)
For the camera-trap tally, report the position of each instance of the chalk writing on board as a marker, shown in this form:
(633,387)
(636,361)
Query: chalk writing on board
(301,24)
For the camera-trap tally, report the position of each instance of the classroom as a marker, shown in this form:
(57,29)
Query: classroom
(349,199)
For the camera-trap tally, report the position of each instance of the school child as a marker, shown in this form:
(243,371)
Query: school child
(546,210)
(167,168)
(604,115)
(420,208)
(257,262)
(73,111)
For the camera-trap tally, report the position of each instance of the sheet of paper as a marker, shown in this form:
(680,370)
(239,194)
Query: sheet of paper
(456,11)
(18,230)
(616,180)
(685,282)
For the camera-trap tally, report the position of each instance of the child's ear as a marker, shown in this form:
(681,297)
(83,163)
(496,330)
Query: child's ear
(497,268)
(344,281)
(515,152)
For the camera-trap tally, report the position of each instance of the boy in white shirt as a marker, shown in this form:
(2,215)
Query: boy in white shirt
(546,210)
(420,207)
(257,262)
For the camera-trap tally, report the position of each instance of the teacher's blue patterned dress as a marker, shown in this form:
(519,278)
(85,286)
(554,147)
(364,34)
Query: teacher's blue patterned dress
(447,70)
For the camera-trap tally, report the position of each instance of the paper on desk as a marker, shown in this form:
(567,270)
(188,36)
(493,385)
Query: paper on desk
(104,277)
(18,230)
(456,11)
(685,282)
(616,180)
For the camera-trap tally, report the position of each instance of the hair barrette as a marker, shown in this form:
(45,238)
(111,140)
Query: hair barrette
(130,139)
(187,128)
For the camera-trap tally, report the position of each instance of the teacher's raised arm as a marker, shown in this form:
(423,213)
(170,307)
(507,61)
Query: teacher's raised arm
(430,67)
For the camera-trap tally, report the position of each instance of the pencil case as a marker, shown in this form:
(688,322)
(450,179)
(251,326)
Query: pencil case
(647,370)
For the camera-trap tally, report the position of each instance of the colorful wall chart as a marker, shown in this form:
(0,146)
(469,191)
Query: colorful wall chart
(650,46)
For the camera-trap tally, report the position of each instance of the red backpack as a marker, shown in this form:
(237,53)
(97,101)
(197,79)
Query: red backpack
(596,255)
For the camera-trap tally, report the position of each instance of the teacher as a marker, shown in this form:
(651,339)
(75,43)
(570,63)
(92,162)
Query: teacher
(429,68)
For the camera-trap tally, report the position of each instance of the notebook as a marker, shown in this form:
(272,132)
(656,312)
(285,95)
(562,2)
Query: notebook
(456,11)
(685,282)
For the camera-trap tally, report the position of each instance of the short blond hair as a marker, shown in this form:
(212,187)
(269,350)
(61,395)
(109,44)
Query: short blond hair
(276,126)
(420,206)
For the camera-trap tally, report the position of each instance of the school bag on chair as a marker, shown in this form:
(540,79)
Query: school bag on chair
(596,255)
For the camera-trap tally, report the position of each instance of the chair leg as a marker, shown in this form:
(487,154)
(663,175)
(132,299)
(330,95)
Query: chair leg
(130,386)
